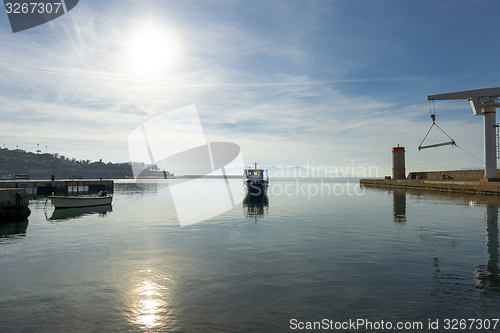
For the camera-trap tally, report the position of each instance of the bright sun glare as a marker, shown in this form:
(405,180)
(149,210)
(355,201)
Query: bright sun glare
(152,50)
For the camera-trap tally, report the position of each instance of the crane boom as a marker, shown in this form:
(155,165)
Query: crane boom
(468,94)
(480,99)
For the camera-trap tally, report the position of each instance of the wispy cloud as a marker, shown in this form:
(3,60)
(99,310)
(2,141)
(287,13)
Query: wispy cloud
(288,81)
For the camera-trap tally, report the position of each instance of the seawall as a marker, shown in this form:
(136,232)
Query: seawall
(452,175)
(34,187)
(13,204)
(465,186)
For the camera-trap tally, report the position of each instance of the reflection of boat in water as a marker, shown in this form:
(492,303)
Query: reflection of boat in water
(75,212)
(81,201)
(256,181)
(255,207)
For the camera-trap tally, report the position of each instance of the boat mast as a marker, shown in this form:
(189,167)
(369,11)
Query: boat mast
(255,163)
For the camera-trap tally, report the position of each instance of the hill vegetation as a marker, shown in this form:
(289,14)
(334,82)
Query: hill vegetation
(44,166)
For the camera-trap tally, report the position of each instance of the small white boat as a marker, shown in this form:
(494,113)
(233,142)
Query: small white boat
(80,201)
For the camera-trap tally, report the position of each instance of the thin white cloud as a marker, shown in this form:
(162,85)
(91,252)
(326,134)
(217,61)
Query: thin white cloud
(284,95)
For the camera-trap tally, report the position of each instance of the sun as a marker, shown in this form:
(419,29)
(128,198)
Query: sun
(152,50)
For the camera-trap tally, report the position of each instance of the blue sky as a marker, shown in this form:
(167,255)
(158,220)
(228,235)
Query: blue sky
(334,83)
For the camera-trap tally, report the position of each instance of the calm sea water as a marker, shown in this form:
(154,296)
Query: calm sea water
(303,257)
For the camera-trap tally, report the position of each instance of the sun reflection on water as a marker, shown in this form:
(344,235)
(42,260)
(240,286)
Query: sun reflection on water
(149,308)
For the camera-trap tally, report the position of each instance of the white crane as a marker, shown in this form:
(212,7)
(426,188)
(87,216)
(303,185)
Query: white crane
(484,102)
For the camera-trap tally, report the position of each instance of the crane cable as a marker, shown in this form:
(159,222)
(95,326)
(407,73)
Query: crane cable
(433,116)
(432,110)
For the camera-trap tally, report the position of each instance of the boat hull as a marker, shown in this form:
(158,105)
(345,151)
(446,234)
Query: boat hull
(77,212)
(71,202)
(256,188)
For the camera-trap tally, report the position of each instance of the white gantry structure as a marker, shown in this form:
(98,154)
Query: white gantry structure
(484,102)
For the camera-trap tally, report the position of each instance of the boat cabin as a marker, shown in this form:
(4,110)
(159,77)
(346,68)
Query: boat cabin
(256,174)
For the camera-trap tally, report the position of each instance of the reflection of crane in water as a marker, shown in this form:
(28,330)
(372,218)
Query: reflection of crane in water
(487,276)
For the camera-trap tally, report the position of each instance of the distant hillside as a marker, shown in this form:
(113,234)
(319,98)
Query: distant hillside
(316,172)
(44,166)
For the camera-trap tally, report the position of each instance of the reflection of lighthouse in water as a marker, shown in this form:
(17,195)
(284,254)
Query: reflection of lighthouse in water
(175,141)
(399,205)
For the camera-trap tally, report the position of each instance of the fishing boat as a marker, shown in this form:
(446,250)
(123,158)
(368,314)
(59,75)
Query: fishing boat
(81,201)
(256,181)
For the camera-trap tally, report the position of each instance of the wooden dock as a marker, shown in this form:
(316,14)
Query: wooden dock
(464,186)
(60,187)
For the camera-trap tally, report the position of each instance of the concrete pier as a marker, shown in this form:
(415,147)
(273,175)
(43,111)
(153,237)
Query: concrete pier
(13,204)
(46,187)
(464,181)
(463,186)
